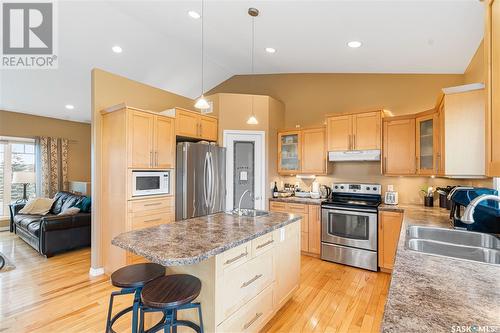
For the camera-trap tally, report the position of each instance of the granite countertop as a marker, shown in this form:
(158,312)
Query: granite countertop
(191,241)
(307,201)
(434,294)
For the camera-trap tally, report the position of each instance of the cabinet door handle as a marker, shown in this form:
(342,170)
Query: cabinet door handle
(252,280)
(354,142)
(385,164)
(151,158)
(247,325)
(153,204)
(260,246)
(349,144)
(152,220)
(230,261)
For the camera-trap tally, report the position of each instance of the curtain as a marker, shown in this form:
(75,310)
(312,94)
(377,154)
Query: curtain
(51,166)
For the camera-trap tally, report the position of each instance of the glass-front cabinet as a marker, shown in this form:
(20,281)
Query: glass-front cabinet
(426,144)
(289,154)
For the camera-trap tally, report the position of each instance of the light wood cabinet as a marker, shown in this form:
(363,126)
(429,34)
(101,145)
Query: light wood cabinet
(492,52)
(302,152)
(399,146)
(310,223)
(132,139)
(389,228)
(426,139)
(151,140)
(361,131)
(195,125)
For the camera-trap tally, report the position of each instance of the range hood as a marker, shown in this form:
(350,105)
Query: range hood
(354,155)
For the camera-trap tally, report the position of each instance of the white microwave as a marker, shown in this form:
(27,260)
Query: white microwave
(150,182)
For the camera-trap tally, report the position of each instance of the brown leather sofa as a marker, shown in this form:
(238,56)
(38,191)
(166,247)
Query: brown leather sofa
(50,233)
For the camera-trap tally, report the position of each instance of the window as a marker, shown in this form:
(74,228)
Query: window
(16,154)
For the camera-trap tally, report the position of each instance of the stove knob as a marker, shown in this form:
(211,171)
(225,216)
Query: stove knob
(374,188)
(367,188)
(341,187)
(336,187)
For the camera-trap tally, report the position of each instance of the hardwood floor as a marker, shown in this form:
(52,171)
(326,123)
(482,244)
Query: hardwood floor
(57,295)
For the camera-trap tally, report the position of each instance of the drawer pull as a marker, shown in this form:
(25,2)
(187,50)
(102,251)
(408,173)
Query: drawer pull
(152,220)
(260,246)
(252,280)
(230,261)
(153,204)
(257,316)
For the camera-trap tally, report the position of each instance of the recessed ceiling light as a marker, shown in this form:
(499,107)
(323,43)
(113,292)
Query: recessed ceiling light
(117,49)
(270,50)
(69,106)
(194,14)
(354,44)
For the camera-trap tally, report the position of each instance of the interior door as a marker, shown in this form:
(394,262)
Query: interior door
(164,143)
(339,133)
(366,131)
(140,136)
(244,174)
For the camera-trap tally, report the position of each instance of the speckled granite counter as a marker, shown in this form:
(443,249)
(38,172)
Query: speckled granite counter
(191,241)
(307,201)
(434,294)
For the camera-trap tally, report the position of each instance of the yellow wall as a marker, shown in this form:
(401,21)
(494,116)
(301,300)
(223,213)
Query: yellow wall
(30,126)
(109,89)
(309,97)
(475,70)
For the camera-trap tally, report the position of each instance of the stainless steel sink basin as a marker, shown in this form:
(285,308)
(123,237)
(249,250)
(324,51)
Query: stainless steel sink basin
(458,244)
(249,212)
(458,237)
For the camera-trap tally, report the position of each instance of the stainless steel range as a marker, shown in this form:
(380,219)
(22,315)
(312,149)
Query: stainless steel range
(349,225)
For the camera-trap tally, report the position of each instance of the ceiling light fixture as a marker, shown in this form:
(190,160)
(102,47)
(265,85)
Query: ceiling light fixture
(354,44)
(270,50)
(69,106)
(117,49)
(194,15)
(201,103)
(253,12)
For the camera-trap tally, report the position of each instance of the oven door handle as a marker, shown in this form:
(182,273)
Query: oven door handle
(354,211)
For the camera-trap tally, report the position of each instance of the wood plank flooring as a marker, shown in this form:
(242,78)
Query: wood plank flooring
(57,295)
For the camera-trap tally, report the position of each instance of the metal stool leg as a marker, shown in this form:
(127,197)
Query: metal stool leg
(201,317)
(110,309)
(135,309)
(174,320)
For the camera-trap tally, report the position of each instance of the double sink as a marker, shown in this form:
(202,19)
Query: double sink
(453,243)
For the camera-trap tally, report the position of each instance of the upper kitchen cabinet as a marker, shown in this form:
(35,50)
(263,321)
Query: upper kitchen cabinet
(461,111)
(150,139)
(399,146)
(289,152)
(426,144)
(302,151)
(194,125)
(361,131)
(492,51)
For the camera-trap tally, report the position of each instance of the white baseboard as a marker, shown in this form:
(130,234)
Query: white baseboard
(96,271)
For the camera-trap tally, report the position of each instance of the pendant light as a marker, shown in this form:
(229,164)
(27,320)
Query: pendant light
(253,12)
(201,102)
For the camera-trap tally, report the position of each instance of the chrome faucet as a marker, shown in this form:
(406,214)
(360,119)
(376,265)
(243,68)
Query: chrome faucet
(468,218)
(241,198)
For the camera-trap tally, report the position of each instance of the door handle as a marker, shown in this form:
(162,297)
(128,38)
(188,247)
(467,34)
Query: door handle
(257,316)
(252,280)
(354,141)
(156,158)
(205,194)
(230,261)
(151,158)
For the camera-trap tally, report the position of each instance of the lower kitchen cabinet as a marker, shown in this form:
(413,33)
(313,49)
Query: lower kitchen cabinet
(310,235)
(389,228)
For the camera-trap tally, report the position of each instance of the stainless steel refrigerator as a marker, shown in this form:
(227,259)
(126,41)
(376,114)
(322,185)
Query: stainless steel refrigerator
(200,180)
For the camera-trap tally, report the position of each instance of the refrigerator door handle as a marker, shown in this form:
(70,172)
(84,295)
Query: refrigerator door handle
(212,183)
(205,179)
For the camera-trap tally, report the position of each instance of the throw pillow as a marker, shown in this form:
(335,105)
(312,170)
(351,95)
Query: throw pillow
(37,206)
(84,205)
(69,211)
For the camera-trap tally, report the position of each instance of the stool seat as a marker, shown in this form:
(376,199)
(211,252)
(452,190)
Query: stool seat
(136,276)
(171,291)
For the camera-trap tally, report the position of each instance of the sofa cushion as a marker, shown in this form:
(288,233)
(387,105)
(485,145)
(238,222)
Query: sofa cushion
(30,223)
(65,200)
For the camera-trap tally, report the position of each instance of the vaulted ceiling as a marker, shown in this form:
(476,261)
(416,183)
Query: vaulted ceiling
(161,44)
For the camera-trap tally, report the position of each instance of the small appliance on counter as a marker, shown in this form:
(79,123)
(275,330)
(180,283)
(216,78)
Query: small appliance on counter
(315,190)
(391,196)
(324,191)
(486,215)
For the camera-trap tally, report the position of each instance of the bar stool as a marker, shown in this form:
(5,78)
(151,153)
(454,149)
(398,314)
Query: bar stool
(131,279)
(168,295)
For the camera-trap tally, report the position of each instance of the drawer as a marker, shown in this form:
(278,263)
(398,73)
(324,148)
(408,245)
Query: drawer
(245,282)
(252,316)
(166,203)
(139,221)
(276,206)
(263,244)
(236,256)
(297,208)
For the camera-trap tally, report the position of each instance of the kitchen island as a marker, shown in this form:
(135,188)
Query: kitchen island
(439,294)
(249,267)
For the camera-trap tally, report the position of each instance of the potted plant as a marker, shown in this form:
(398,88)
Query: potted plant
(428,196)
